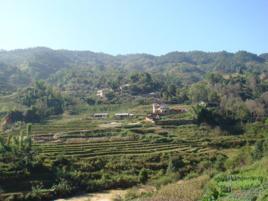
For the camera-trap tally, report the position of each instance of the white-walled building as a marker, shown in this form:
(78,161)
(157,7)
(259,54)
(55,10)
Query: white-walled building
(160,108)
(101,115)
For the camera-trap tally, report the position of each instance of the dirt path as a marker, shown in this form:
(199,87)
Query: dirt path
(104,196)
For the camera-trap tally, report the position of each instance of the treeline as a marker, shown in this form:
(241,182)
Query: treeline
(241,97)
(238,96)
(234,84)
(222,98)
(231,100)
(78,71)
(40,100)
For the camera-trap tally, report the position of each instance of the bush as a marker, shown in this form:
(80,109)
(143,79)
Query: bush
(63,188)
(241,159)
(132,194)
(263,196)
(258,151)
(165,179)
(143,176)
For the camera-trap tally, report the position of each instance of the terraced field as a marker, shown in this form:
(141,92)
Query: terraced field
(91,138)
(86,138)
(111,152)
(96,149)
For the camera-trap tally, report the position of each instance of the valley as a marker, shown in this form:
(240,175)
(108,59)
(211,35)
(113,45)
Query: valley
(98,131)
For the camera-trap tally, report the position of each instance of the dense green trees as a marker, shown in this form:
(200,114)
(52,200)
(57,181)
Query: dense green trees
(238,97)
(43,97)
(17,147)
(241,97)
(41,101)
(84,72)
(199,92)
(142,83)
(17,155)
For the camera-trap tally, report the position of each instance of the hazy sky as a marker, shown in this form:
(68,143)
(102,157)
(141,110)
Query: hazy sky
(131,26)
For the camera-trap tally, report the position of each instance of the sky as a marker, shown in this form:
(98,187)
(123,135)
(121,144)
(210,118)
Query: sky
(135,26)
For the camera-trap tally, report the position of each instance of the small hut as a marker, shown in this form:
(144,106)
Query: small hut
(100,115)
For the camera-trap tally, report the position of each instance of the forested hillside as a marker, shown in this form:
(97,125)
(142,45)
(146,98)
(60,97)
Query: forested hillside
(234,82)
(88,70)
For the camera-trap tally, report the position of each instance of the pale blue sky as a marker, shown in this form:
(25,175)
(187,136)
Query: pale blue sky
(135,26)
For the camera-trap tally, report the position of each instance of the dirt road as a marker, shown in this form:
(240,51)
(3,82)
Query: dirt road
(103,196)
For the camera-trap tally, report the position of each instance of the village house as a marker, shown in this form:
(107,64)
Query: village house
(124,87)
(160,108)
(123,115)
(100,115)
(100,93)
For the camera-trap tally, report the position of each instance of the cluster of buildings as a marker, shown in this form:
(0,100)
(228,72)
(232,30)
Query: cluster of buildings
(160,110)
(101,93)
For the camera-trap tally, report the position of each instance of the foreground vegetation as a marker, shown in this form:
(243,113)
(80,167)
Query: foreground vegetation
(244,178)
(68,156)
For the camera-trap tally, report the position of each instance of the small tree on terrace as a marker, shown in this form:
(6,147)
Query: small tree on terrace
(143,176)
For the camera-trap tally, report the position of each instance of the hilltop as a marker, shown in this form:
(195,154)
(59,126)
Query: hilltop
(19,68)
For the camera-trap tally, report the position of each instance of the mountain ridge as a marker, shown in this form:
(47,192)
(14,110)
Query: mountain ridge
(43,63)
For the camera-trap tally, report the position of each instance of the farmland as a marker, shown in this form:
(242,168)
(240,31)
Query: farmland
(93,145)
(82,122)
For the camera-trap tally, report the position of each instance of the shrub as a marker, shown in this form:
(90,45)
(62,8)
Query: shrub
(132,194)
(63,188)
(263,196)
(241,159)
(165,179)
(258,151)
(143,176)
